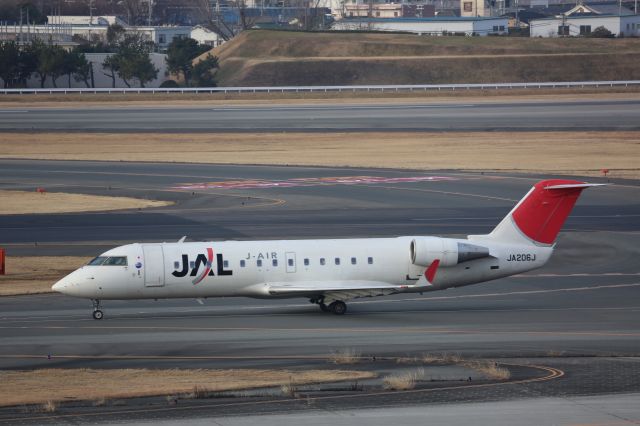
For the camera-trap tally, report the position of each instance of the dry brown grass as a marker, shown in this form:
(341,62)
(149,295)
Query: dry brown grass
(49,407)
(31,275)
(263,58)
(179,100)
(344,356)
(41,386)
(575,153)
(403,381)
(269,44)
(22,202)
(488,368)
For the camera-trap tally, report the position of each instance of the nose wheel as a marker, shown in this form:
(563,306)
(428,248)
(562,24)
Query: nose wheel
(97,313)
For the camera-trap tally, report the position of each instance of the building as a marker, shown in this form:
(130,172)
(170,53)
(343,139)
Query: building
(428,26)
(388,10)
(61,33)
(205,36)
(473,8)
(85,20)
(582,19)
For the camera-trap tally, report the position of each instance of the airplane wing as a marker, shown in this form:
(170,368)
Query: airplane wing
(336,290)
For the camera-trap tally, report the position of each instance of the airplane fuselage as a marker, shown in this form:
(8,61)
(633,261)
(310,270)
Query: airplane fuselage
(247,268)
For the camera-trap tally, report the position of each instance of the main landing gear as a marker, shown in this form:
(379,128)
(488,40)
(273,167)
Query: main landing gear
(97,313)
(338,307)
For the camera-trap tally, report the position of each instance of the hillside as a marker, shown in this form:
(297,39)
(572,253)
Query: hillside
(274,58)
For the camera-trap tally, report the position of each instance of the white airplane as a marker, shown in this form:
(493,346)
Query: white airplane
(330,272)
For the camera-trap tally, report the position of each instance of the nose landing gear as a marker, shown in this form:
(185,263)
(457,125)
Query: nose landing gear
(97,313)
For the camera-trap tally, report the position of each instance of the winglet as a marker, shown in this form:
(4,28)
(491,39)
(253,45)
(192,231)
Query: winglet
(181,240)
(430,273)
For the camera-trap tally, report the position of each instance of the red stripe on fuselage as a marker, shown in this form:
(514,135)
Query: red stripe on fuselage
(208,268)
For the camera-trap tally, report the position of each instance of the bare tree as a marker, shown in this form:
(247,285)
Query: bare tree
(134,10)
(214,18)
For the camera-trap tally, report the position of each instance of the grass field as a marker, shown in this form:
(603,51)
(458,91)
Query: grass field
(178,100)
(44,385)
(22,202)
(565,153)
(264,58)
(36,274)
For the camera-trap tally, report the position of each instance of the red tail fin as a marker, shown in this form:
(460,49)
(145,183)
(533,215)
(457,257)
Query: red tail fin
(538,217)
(541,215)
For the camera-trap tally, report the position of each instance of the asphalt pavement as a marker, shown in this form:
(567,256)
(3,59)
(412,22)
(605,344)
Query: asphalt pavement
(526,115)
(579,314)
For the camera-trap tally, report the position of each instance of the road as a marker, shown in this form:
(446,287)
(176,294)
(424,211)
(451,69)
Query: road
(588,114)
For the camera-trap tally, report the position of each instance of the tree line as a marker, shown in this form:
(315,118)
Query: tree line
(129,60)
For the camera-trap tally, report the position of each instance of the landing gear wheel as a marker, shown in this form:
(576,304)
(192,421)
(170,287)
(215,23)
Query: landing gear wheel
(97,313)
(338,307)
(323,307)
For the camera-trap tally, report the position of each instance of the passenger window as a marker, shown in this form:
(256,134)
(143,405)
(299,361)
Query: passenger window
(306,262)
(370,261)
(259,263)
(274,262)
(242,263)
(322,260)
(290,262)
(176,265)
(225,264)
(337,261)
(192,264)
(353,260)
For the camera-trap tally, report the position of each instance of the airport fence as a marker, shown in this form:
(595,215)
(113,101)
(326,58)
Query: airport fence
(298,89)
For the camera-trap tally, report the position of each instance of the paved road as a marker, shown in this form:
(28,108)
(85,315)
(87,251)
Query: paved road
(583,303)
(510,116)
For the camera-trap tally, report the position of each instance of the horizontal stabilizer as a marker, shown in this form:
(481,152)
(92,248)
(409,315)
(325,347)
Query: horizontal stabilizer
(575,185)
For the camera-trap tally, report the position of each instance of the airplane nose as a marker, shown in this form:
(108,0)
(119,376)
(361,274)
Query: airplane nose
(59,286)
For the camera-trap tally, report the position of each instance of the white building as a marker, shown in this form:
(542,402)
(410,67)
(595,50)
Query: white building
(205,36)
(430,26)
(85,20)
(583,25)
(63,33)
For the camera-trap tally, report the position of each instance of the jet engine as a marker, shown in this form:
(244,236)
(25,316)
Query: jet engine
(424,250)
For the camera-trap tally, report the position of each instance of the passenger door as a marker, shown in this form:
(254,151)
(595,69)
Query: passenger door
(153,265)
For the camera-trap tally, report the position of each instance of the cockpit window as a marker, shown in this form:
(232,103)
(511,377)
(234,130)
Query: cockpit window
(97,261)
(116,261)
(109,261)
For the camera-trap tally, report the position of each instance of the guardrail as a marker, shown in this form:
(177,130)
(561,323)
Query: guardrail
(295,89)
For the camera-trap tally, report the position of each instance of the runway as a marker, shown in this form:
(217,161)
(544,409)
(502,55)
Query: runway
(579,314)
(587,114)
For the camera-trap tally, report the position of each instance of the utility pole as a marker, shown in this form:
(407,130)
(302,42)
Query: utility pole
(150,10)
